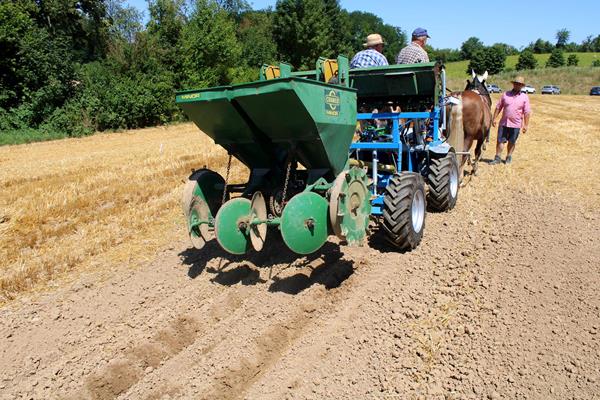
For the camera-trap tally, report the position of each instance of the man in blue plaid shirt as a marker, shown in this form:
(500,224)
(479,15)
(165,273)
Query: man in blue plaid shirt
(371,56)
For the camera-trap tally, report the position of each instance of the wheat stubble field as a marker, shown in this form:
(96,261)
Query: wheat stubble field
(102,297)
(73,204)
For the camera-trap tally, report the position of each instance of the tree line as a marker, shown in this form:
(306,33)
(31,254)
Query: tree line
(493,58)
(77,66)
(71,67)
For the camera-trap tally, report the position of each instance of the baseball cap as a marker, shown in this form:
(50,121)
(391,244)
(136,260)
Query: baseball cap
(420,32)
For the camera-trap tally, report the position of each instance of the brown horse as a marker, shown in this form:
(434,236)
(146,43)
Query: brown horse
(470,118)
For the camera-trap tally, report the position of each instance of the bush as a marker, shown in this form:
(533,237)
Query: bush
(557,59)
(526,61)
(596,63)
(573,60)
(117,101)
(68,120)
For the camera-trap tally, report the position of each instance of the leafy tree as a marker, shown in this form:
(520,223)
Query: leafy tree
(301,33)
(587,44)
(36,67)
(526,61)
(541,46)
(235,8)
(125,21)
(341,35)
(163,43)
(490,59)
(83,22)
(572,60)
(256,36)
(15,22)
(443,55)
(507,48)
(471,46)
(363,23)
(209,45)
(596,44)
(166,23)
(572,47)
(562,37)
(557,59)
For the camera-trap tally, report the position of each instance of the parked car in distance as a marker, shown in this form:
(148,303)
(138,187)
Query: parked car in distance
(595,91)
(550,89)
(528,89)
(492,88)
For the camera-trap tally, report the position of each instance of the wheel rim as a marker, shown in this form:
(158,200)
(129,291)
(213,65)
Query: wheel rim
(453,181)
(418,210)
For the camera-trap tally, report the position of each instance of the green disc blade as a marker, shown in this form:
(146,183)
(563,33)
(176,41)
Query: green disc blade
(304,223)
(350,206)
(230,224)
(357,207)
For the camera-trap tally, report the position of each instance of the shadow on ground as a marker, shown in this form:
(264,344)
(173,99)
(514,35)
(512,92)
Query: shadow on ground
(325,267)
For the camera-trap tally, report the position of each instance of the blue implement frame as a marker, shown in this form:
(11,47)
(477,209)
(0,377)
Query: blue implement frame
(399,148)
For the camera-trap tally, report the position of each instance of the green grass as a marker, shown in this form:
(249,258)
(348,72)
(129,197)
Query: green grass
(571,80)
(28,135)
(458,69)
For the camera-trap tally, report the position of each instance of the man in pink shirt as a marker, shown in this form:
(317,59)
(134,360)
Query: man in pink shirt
(515,119)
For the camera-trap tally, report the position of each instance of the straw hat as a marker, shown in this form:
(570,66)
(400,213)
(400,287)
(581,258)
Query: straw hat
(520,80)
(373,40)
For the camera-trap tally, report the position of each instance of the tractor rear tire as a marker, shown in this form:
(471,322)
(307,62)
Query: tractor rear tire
(443,179)
(404,210)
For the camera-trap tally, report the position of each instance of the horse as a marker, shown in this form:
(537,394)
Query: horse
(470,112)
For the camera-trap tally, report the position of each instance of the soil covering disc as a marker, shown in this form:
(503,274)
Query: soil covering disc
(258,233)
(350,206)
(230,225)
(199,233)
(304,223)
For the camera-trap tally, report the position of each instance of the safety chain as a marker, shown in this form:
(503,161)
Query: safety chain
(285,184)
(226,180)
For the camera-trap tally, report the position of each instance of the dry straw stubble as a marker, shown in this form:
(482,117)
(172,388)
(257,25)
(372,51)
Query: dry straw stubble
(72,204)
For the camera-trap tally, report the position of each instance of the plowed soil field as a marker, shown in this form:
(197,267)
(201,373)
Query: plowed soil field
(102,296)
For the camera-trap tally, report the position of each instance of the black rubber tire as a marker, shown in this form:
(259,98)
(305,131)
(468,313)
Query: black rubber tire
(440,198)
(397,210)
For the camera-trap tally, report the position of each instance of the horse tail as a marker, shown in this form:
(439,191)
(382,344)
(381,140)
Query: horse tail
(455,131)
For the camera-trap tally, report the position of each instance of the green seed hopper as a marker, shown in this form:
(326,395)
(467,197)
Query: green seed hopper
(293,131)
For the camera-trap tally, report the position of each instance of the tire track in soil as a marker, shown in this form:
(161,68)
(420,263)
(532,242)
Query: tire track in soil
(281,324)
(122,374)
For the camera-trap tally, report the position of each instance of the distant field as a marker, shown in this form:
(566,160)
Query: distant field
(571,80)
(458,69)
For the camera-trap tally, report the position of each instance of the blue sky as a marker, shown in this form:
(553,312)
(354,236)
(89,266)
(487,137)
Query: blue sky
(450,23)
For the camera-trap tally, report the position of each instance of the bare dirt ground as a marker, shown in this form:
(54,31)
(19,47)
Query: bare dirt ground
(500,301)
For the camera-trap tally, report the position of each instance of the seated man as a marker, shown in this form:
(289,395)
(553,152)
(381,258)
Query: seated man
(371,56)
(415,52)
